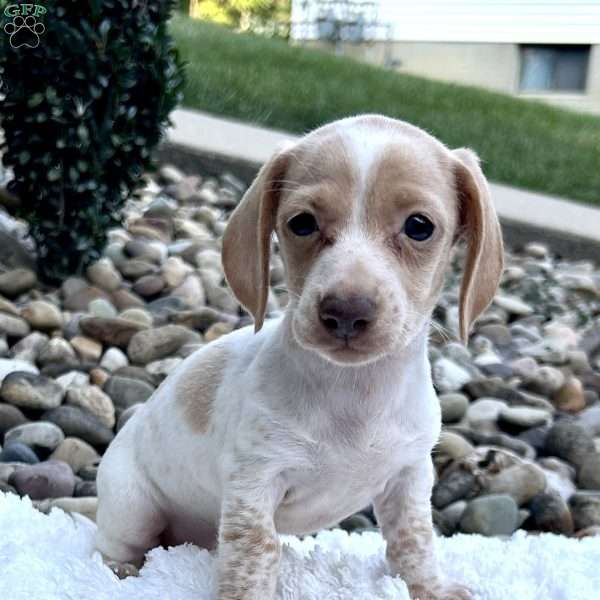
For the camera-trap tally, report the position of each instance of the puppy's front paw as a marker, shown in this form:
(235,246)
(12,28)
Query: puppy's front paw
(439,591)
(121,569)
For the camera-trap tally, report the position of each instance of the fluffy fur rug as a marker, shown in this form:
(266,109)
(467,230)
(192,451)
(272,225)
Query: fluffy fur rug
(51,557)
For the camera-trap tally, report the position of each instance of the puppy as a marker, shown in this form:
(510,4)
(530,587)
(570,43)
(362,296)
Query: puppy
(292,426)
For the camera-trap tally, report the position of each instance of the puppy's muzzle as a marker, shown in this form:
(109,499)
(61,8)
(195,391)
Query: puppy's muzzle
(346,318)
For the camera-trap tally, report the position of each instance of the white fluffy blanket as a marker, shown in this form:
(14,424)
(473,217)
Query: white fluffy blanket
(51,557)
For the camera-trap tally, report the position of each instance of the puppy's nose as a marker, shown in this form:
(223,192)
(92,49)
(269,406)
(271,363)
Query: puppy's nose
(346,317)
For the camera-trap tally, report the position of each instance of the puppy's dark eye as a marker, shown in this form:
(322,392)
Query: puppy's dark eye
(303,224)
(418,227)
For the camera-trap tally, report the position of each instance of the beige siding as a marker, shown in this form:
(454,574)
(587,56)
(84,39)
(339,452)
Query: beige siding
(492,21)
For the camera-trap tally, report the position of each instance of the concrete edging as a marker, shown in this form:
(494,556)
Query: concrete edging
(202,142)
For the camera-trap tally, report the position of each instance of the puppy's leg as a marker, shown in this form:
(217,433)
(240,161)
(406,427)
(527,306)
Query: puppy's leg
(403,510)
(129,522)
(249,549)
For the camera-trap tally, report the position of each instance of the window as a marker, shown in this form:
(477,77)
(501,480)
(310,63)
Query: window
(554,68)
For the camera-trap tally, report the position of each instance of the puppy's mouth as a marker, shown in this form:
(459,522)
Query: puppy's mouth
(344,351)
(349,353)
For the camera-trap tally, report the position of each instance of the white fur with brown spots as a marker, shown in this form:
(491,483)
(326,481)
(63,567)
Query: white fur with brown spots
(294,427)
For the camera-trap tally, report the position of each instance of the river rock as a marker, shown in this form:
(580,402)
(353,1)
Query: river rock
(76,422)
(549,512)
(174,271)
(484,412)
(149,285)
(84,506)
(18,453)
(85,489)
(113,359)
(126,415)
(50,479)
(191,291)
(522,482)
(42,315)
(513,305)
(76,453)
(9,365)
(104,275)
(568,440)
(589,474)
(202,318)
(124,299)
(125,391)
(524,417)
(449,376)
(10,416)
(585,508)
(113,331)
(457,484)
(57,351)
(40,434)
(92,399)
(153,344)
(588,418)
(491,515)
(570,397)
(79,301)
(86,348)
(16,282)
(12,326)
(28,390)
(134,268)
(453,445)
(138,315)
(102,308)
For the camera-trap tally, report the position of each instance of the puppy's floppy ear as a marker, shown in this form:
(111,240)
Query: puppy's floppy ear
(247,239)
(480,227)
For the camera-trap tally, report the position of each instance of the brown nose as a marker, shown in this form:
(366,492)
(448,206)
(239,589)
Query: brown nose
(346,317)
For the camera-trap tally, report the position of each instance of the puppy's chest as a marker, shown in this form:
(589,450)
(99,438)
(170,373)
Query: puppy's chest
(341,476)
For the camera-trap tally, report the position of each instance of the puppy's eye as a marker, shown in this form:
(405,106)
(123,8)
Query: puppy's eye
(418,227)
(303,224)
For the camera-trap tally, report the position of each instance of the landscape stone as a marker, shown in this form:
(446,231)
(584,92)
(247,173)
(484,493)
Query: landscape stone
(549,512)
(112,331)
(126,392)
(42,315)
(76,453)
(28,390)
(568,440)
(92,399)
(153,344)
(490,515)
(16,281)
(49,479)
(40,434)
(76,422)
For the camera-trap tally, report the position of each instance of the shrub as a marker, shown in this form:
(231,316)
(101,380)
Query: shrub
(82,113)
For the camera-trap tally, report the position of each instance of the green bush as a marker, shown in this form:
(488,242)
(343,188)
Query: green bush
(82,112)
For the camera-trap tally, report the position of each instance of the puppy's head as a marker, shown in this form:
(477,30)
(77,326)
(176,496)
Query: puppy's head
(366,211)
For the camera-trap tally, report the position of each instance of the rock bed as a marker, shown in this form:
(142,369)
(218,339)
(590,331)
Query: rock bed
(520,446)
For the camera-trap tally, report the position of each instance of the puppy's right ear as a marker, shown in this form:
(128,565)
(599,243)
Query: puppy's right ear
(247,238)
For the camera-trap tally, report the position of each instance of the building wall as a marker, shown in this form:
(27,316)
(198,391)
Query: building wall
(501,21)
(492,66)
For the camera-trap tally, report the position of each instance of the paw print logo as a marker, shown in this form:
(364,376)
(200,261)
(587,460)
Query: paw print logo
(24,31)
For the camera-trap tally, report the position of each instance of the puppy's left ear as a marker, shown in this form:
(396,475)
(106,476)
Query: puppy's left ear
(247,239)
(480,227)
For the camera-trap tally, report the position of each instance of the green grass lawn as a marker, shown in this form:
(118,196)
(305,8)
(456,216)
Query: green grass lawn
(266,81)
